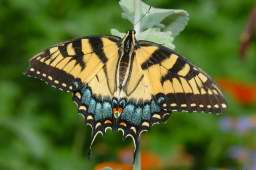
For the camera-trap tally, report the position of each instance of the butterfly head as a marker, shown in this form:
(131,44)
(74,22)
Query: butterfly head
(131,32)
(129,41)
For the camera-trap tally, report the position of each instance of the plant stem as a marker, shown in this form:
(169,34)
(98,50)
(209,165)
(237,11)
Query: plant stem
(137,14)
(137,161)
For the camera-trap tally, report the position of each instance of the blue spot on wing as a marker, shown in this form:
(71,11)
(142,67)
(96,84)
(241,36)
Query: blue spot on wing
(154,107)
(98,112)
(107,110)
(127,113)
(92,106)
(146,112)
(87,95)
(136,117)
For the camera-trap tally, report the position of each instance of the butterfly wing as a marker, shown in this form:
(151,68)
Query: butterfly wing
(184,87)
(78,60)
(94,99)
(83,66)
(167,82)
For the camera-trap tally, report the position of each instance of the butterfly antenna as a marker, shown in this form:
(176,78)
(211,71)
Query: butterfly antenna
(137,22)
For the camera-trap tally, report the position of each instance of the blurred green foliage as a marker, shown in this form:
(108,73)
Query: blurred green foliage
(39,126)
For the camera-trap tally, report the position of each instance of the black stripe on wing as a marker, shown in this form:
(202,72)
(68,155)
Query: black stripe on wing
(97,47)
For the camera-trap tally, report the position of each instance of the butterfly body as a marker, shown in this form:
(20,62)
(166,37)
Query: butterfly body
(124,84)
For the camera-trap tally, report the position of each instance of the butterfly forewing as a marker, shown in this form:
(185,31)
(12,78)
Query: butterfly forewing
(76,60)
(184,87)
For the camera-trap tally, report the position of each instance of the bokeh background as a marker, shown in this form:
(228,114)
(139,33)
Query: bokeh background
(41,130)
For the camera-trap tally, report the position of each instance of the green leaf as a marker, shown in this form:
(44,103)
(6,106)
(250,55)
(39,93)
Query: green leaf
(156,24)
(166,19)
(115,32)
(154,35)
(179,20)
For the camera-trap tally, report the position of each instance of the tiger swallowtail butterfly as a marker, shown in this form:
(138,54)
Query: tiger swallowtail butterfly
(125,84)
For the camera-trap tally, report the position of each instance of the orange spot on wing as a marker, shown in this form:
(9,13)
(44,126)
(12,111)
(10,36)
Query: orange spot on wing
(117,111)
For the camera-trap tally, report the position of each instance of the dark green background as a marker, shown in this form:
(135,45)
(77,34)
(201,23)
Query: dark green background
(39,126)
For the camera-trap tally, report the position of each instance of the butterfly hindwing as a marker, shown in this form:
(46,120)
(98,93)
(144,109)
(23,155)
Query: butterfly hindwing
(97,112)
(79,59)
(137,116)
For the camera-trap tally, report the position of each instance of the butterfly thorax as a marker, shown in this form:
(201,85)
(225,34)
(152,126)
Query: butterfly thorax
(126,57)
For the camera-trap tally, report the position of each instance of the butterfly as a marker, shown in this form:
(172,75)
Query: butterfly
(124,84)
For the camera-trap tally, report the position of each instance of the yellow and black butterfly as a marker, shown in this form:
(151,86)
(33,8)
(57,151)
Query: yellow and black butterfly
(124,84)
